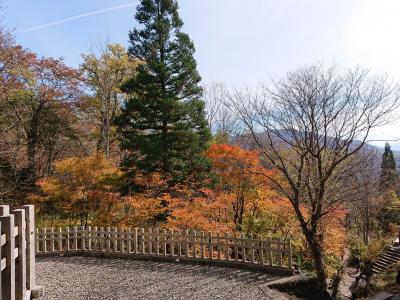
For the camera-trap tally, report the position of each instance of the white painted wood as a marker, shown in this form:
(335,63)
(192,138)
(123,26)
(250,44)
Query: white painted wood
(20,261)
(30,245)
(75,237)
(8,274)
(114,239)
(172,243)
(4,210)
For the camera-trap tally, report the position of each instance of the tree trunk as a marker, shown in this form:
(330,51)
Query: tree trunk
(319,262)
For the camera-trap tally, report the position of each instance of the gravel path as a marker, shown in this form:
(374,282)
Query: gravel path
(99,278)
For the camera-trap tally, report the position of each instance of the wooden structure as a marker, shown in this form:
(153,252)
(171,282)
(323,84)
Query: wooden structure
(17,253)
(264,254)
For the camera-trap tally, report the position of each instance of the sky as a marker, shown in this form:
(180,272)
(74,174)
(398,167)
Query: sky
(237,41)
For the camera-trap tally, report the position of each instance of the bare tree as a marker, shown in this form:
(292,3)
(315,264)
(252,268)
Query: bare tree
(220,118)
(308,126)
(365,207)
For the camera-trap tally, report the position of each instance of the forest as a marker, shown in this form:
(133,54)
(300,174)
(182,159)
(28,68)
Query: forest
(133,138)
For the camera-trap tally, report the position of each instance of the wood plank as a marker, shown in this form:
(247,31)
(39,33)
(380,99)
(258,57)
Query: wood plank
(20,254)
(8,274)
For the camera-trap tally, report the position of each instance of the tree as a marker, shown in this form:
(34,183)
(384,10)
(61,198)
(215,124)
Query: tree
(163,124)
(105,73)
(308,126)
(222,122)
(239,176)
(388,169)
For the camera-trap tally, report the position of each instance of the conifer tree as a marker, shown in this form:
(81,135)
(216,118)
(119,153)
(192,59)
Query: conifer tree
(163,124)
(388,169)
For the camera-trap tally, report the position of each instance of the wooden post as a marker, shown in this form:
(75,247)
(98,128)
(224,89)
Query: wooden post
(129,241)
(101,239)
(164,242)
(143,242)
(38,236)
(67,235)
(83,247)
(180,243)
(172,243)
(270,251)
(251,248)
(158,241)
(95,247)
(262,250)
(20,262)
(243,247)
(218,246)
(136,241)
(44,241)
(202,245)
(75,236)
(89,237)
(108,237)
(187,243)
(52,239)
(210,246)
(150,241)
(236,247)
(290,262)
(280,251)
(115,239)
(4,210)
(122,239)
(30,246)
(60,239)
(8,274)
(194,244)
(227,246)
(1,260)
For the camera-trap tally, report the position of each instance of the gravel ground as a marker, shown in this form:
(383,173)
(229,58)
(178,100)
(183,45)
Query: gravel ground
(99,278)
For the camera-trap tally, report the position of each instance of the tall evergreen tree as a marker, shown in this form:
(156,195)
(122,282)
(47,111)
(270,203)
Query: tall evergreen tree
(163,124)
(388,169)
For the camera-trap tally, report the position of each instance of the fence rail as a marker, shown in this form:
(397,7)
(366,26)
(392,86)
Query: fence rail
(17,254)
(268,253)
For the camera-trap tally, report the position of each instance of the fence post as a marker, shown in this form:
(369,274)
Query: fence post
(150,240)
(172,243)
(4,210)
(290,262)
(67,235)
(227,246)
(270,251)
(30,245)
(129,241)
(194,254)
(44,239)
(20,262)
(218,246)
(136,241)
(251,248)
(52,239)
(243,247)
(115,239)
(158,241)
(280,251)
(75,235)
(210,246)
(60,239)
(164,242)
(8,274)
(83,238)
(142,238)
(89,237)
(202,245)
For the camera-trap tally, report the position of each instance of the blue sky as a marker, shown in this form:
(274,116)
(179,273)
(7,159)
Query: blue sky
(237,41)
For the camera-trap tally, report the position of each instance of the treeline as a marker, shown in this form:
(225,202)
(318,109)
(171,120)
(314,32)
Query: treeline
(132,139)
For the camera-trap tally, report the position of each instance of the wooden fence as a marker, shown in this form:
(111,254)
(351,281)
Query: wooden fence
(17,253)
(270,254)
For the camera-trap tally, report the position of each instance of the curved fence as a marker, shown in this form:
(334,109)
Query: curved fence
(17,254)
(264,254)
